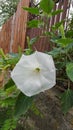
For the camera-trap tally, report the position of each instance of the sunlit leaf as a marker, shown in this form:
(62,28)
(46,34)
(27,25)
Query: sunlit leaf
(13,60)
(9,101)
(35,23)
(63,42)
(57,25)
(55,12)
(47,5)
(32,10)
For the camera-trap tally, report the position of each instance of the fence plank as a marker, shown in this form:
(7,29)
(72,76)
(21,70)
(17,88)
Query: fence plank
(5,36)
(20,26)
(13,31)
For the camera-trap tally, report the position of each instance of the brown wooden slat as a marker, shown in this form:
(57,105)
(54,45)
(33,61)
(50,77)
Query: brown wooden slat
(20,26)
(59,7)
(65,7)
(5,36)
(13,31)
(52,23)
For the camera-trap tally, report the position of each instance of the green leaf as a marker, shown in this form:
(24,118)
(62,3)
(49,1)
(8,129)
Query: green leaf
(22,105)
(9,124)
(9,84)
(55,52)
(2,54)
(32,10)
(67,100)
(36,111)
(69,70)
(30,42)
(61,30)
(9,101)
(57,25)
(63,42)
(55,12)
(35,23)
(13,60)
(60,65)
(69,33)
(47,5)
(33,40)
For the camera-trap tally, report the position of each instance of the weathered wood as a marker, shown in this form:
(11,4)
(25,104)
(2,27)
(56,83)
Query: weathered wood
(5,36)
(20,24)
(13,31)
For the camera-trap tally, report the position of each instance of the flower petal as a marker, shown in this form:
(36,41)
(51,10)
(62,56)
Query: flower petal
(31,86)
(49,75)
(46,83)
(28,61)
(28,79)
(45,61)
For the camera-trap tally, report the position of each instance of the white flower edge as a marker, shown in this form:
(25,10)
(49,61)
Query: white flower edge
(27,77)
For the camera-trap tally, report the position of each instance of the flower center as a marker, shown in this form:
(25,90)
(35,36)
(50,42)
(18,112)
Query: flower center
(37,69)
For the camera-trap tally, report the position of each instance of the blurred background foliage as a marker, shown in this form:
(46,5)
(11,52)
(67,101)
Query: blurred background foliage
(7,9)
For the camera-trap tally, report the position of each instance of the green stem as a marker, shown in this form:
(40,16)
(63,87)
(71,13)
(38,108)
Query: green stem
(7,66)
(69,57)
(68,84)
(62,79)
(2,54)
(61,29)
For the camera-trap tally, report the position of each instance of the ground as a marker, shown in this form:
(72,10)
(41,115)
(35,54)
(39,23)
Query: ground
(53,118)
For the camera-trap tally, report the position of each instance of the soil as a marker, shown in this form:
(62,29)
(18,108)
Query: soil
(53,118)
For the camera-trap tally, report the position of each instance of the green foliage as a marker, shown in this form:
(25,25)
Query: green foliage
(69,30)
(56,12)
(63,42)
(67,100)
(7,9)
(55,52)
(7,102)
(8,91)
(57,25)
(9,84)
(63,55)
(5,117)
(31,41)
(35,110)
(23,103)
(35,23)
(69,33)
(71,22)
(12,101)
(9,124)
(61,29)
(69,70)
(32,10)
(47,5)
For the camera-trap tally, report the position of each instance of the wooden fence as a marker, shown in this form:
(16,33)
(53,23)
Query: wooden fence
(13,33)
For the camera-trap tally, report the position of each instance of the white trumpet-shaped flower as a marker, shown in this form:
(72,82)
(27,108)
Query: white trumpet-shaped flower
(34,73)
